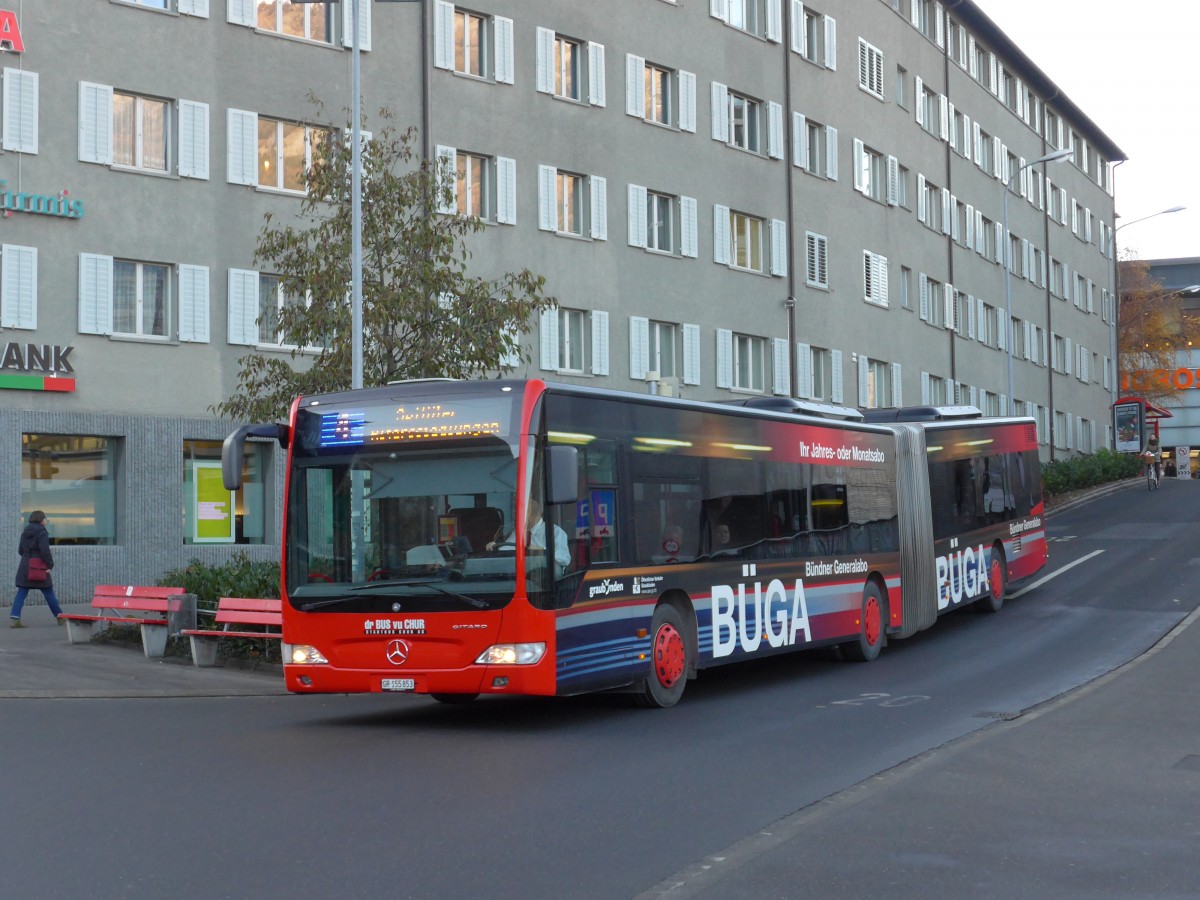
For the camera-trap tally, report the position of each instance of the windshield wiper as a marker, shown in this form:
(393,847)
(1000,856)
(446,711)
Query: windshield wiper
(474,601)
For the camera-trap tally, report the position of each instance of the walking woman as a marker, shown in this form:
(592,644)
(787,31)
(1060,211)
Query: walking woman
(34,570)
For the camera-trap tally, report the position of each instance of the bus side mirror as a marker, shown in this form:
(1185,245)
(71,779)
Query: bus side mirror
(232,450)
(563,475)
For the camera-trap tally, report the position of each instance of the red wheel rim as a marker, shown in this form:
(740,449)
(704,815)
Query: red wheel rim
(997,578)
(669,655)
(872,621)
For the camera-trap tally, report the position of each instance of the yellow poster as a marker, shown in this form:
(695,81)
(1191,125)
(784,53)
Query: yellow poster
(213,505)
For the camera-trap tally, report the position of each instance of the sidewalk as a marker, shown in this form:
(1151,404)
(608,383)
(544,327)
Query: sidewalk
(1093,794)
(37,661)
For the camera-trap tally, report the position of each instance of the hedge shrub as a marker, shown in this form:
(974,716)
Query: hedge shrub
(1078,472)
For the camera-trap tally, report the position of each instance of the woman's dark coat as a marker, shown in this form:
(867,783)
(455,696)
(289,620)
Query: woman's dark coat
(35,541)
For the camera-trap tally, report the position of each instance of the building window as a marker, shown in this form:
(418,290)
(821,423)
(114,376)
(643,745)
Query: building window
(749,362)
(746,242)
(72,479)
(474,192)
(745,123)
(906,287)
(311,21)
(812,42)
(572,333)
(470,43)
(983,152)
(666,349)
(141,132)
(214,515)
(871,172)
(272,301)
(931,110)
(658,95)
(141,298)
(878,389)
(285,153)
(568,66)
(816,248)
(569,205)
(822,373)
(875,278)
(902,87)
(818,148)
(748,15)
(870,69)
(930,204)
(660,222)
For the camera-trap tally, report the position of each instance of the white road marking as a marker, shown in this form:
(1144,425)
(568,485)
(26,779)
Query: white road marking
(1054,574)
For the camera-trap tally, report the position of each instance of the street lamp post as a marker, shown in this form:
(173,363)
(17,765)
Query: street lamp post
(1115,275)
(1056,156)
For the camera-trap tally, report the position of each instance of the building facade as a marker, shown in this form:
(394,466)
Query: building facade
(731,197)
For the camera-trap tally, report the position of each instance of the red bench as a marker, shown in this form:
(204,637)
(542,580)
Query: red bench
(237,612)
(146,607)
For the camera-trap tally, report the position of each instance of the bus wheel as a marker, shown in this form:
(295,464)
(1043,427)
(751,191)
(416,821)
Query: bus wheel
(994,598)
(453,698)
(669,661)
(871,636)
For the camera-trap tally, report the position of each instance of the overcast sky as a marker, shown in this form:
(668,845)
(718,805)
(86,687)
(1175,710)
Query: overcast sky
(1131,67)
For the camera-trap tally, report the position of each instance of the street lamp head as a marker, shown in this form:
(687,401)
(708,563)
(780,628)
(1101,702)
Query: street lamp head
(1175,209)
(1056,156)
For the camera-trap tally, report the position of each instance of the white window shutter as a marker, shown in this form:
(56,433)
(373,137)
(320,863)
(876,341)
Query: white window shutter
(639,347)
(803,371)
(687,101)
(830,43)
(925,392)
(799,140)
(948,306)
(547,198)
(922,212)
(635,86)
(724,358)
(998,159)
(897,386)
(970,316)
(774,130)
(1003,324)
(923,282)
(893,181)
(447,162)
(946,210)
(242,151)
(193,304)
(864,372)
(969,237)
(799,41)
(548,339)
(688,225)
(981,319)
(951,391)
(691,354)
(443,35)
(506,190)
(779,260)
(782,368)
(721,234)
(774,28)
(860,182)
(198,8)
(364,24)
(20,126)
(505,67)
(918,98)
(240,12)
(636,216)
(943,117)
(831,153)
(18,287)
(719,9)
(193,139)
(720,112)
(980,235)
(952,125)
(835,357)
(1067,352)
(242,320)
(545,61)
(95,123)
(599,189)
(597,94)
(95,293)
(599,342)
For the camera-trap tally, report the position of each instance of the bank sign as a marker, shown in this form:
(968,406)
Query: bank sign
(36,367)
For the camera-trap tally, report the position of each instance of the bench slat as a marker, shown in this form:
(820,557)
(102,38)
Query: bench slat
(231,634)
(250,604)
(248,618)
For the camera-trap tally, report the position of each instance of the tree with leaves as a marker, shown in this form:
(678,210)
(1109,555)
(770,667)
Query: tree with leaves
(1152,327)
(423,315)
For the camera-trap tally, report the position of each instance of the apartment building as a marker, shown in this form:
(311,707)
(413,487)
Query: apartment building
(731,197)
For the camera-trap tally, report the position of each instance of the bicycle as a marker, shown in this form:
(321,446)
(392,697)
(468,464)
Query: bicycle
(1152,475)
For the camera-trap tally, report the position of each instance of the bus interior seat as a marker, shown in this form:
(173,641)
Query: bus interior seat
(478,524)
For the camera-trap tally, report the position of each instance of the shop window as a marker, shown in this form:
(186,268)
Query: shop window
(214,515)
(72,479)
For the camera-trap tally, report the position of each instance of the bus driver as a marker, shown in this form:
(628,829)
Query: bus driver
(536,539)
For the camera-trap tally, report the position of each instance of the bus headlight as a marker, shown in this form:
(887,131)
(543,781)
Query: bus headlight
(305,655)
(511,655)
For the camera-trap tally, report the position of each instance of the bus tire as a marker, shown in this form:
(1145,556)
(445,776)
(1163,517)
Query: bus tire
(993,600)
(669,660)
(872,622)
(454,698)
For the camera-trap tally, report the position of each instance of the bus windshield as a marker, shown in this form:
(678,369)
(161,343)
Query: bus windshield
(403,508)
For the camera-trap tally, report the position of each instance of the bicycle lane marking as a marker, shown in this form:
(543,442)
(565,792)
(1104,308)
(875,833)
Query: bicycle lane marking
(1054,574)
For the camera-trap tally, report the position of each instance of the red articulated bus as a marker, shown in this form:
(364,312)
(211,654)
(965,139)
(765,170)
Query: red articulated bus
(461,538)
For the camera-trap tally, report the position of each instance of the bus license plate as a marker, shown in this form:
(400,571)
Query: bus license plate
(399,684)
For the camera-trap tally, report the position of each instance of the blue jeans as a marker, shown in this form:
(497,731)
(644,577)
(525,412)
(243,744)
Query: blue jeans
(22,593)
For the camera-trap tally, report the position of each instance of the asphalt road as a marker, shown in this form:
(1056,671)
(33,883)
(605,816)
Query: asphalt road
(374,796)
